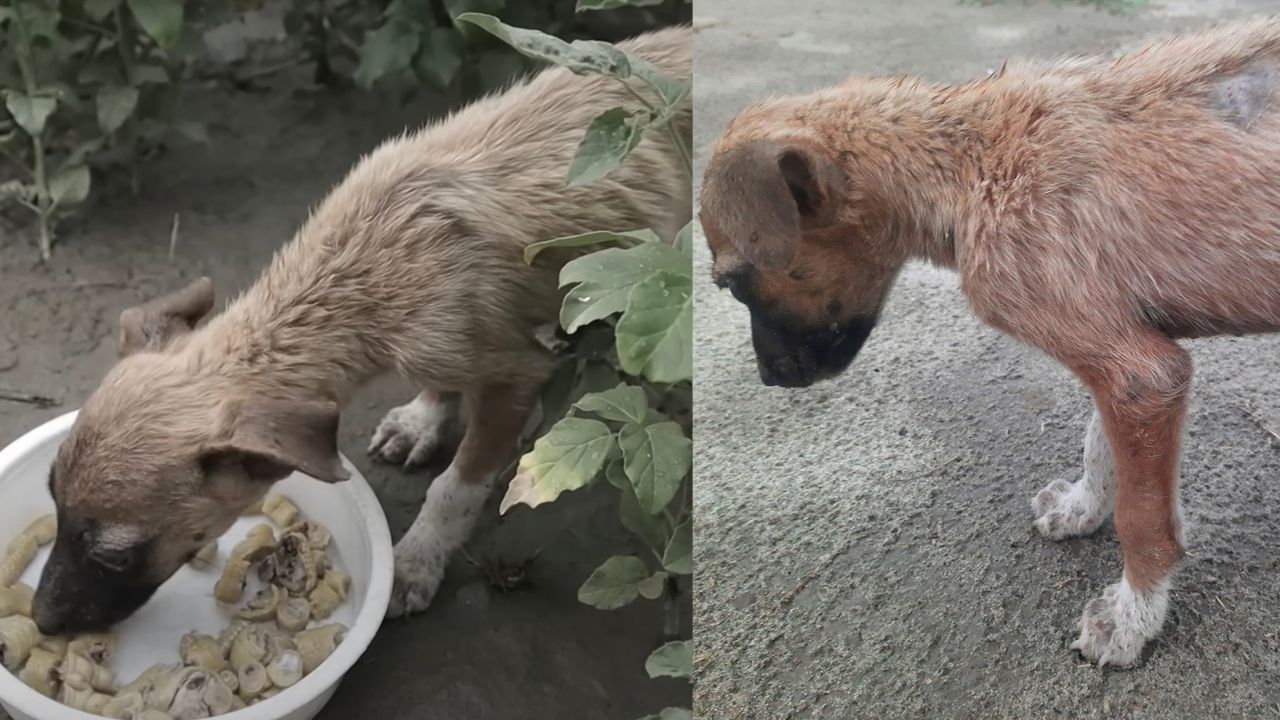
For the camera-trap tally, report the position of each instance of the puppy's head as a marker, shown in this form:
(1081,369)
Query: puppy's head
(163,458)
(807,251)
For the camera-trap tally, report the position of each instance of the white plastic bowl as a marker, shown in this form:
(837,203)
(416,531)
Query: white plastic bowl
(361,546)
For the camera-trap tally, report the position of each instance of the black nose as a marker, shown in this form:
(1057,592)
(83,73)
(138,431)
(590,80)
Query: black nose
(783,372)
(49,622)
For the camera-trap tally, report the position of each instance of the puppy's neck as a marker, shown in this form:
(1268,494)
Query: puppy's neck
(326,315)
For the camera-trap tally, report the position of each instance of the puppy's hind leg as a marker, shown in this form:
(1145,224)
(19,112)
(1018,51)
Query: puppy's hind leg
(411,434)
(495,415)
(1066,509)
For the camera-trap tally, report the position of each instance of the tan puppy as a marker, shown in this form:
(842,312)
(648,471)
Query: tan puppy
(414,263)
(1098,210)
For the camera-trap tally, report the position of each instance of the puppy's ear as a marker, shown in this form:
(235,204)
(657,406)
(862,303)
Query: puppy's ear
(150,326)
(763,195)
(814,182)
(266,440)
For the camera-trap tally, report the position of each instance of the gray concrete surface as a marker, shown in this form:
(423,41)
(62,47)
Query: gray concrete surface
(864,547)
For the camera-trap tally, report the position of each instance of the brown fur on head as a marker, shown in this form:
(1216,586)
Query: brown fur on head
(797,242)
(141,486)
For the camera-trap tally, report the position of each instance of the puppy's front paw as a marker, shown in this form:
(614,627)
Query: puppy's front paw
(418,574)
(1116,626)
(1065,510)
(410,434)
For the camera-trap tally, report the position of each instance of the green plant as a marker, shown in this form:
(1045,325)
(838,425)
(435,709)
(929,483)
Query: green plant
(632,310)
(75,76)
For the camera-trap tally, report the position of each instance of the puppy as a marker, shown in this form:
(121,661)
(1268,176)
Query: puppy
(1098,210)
(413,263)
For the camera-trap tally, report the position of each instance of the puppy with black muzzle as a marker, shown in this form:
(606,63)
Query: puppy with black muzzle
(414,263)
(1099,210)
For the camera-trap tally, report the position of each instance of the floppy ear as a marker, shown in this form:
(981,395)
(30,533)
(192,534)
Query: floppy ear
(763,195)
(150,326)
(269,439)
(812,179)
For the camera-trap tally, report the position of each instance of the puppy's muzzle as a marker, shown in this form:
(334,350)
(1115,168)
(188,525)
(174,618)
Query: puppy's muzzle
(75,597)
(791,357)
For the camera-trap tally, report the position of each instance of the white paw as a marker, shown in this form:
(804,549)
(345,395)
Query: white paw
(1116,626)
(410,434)
(419,570)
(1065,510)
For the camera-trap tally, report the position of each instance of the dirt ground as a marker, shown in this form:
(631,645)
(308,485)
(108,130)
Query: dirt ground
(477,653)
(864,547)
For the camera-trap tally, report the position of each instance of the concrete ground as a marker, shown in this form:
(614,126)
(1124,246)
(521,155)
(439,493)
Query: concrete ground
(478,653)
(864,547)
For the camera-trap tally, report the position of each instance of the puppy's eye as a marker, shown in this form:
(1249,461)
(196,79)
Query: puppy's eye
(114,560)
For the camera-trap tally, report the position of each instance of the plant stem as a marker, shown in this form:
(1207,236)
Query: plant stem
(684,150)
(671,610)
(664,117)
(43,199)
(125,43)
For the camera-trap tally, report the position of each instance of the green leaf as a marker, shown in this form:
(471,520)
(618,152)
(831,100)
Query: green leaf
(592,238)
(671,92)
(624,403)
(387,50)
(615,583)
(616,474)
(30,113)
(607,277)
(115,105)
(568,457)
(678,557)
(161,19)
(671,713)
(651,587)
(656,458)
(655,334)
(610,137)
(83,150)
(40,18)
(440,57)
(580,56)
(100,9)
(612,4)
(653,529)
(15,190)
(684,239)
(70,186)
(675,659)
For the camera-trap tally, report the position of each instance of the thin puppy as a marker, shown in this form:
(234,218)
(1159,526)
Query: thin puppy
(413,263)
(1098,210)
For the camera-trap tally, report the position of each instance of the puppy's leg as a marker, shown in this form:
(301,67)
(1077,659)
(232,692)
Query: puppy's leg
(1142,402)
(1066,509)
(495,416)
(410,434)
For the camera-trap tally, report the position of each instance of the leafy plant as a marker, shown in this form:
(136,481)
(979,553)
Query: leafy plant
(632,307)
(76,77)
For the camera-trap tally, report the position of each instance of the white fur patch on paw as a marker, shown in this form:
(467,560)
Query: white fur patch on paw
(410,434)
(442,526)
(419,570)
(1066,510)
(1116,626)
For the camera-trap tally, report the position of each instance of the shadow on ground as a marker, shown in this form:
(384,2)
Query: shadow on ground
(864,547)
